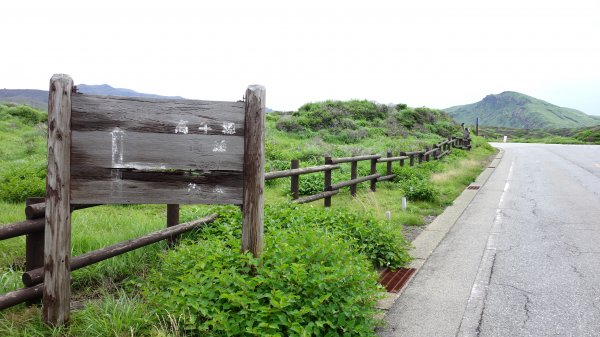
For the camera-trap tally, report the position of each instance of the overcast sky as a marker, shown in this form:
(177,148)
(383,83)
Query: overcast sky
(423,52)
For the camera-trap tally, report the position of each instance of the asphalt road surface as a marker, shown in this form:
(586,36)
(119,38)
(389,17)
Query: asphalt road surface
(522,260)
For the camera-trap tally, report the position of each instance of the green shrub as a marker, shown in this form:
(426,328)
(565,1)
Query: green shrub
(22,179)
(308,282)
(401,106)
(27,114)
(289,124)
(591,135)
(405,173)
(419,189)
(381,242)
(310,184)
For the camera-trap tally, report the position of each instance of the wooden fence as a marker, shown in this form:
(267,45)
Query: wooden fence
(122,150)
(436,152)
(33,229)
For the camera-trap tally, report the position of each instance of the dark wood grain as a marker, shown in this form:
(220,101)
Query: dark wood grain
(152,115)
(179,187)
(21,228)
(21,295)
(57,247)
(294,180)
(157,151)
(254,171)
(327,183)
(142,150)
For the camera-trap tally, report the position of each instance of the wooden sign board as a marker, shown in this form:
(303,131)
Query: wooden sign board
(154,151)
(120,150)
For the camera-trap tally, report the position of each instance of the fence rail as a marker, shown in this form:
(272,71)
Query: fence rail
(437,151)
(33,228)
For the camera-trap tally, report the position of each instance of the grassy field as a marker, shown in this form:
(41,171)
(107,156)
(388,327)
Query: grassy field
(114,297)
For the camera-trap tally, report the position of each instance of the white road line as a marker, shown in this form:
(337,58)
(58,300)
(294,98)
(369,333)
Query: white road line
(471,321)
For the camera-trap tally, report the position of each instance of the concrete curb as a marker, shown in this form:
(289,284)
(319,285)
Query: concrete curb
(434,233)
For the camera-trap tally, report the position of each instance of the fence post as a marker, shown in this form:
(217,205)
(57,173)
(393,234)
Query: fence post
(422,156)
(57,242)
(327,202)
(402,154)
(172,220)
(373,171)
(34,245)
(389,164)
(425,154)
(353,175)
(411,160)
(254,171)
(295,180)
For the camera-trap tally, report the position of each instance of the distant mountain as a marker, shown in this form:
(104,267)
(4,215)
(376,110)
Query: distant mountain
(107,90)
(39,98)
(516,110)
(35,98)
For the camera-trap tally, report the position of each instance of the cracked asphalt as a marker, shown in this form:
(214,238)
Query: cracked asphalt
(523,259)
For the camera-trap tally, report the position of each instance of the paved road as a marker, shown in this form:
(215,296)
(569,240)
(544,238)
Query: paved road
(522,260)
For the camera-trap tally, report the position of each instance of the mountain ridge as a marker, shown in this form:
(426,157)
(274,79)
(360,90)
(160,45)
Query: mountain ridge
(517,110)
(39,98)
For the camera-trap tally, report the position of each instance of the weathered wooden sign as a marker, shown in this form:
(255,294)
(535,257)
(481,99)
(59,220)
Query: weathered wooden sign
(139,150)
(107,150)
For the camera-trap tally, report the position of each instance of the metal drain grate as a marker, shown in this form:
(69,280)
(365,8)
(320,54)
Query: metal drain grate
(394,281)
(473,187)
(491,166)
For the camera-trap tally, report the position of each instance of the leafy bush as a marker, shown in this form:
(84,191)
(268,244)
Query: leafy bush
(338,115)
(419,189)
(381,242)
(27,114)
(22,179)
(405,173)
(308,282)
(591,135)
(310,184)
(289,124)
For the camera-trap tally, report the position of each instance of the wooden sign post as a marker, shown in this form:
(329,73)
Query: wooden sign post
(57,236)
(122,150)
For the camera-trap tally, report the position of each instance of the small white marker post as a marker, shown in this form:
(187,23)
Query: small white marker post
(404,203)
(388,215)
(505,138)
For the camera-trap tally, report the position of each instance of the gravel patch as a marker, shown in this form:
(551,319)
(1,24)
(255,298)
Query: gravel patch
(411,232)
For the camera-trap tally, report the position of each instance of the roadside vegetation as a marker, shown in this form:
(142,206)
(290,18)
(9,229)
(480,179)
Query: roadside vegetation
(318,274)
(587,135)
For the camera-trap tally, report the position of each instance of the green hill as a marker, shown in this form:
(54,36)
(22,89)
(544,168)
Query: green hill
(516,110)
